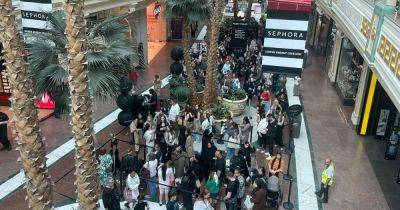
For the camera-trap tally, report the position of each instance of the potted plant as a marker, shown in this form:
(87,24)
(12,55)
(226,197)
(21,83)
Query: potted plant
(181,94)
(176,81)
(236,101)
(221,113)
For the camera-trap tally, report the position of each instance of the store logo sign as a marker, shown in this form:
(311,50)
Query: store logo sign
(34,14)
(286,34)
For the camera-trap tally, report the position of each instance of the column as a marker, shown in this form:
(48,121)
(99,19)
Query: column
(317,31)
(362,87)
(335,55)
(139,30)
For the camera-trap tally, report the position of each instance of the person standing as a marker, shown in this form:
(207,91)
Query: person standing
(163,185)
(241,187)
(213,185)
(262,131)
(110,196)
(153,102)
(231,192)
(3,131)
(105,167)
(259,195)
(189,143)
(245,129)
(132,188)
(279,129)
(326,180)
(173,113)
(188,186)
(157,84)
(173,202)
(151,166)
(245,151)
(271,134)
(275,165)
(266,99)
(220,165)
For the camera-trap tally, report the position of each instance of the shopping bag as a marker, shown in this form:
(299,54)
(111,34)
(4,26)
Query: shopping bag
(128,195)
(248,203)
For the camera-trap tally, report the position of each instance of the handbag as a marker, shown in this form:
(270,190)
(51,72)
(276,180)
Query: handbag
(128,195)
(248,203)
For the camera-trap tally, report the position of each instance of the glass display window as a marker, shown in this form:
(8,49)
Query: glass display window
(349,71)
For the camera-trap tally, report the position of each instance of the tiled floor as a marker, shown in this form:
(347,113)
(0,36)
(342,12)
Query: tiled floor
(364,180)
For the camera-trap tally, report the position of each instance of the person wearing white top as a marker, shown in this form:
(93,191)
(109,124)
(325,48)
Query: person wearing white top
(262,132)
(151,165)
(165,179)
(173,112)
(132,183)
(149,138)
(201,204)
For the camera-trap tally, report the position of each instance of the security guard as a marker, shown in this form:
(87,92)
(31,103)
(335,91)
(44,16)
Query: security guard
(326,180)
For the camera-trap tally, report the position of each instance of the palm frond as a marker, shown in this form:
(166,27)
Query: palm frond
(109,58)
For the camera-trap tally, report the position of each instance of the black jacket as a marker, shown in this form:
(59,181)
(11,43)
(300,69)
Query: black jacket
(111,199)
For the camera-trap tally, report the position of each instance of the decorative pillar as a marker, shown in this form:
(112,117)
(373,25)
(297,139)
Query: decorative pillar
(317,30)
(335,55)
(362,87)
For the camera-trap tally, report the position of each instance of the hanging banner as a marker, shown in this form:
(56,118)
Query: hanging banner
(34,14)
(285,41)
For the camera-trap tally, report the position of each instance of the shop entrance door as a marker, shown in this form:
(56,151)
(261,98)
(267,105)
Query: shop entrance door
(384,116)
(176,28)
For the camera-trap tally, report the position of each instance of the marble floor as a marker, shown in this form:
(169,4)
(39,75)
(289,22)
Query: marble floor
(363,180)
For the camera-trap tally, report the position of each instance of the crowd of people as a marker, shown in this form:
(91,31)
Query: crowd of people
(175,174)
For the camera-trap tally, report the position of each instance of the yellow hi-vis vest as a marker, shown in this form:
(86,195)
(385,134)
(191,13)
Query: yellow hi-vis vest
(324,176)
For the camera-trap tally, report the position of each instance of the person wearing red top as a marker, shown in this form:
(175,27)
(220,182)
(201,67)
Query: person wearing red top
(265,99)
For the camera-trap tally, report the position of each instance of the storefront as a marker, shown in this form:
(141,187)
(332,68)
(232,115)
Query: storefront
(381,118)
(348,73)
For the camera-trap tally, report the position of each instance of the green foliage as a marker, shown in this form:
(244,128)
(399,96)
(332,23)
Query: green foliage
(108,57)
(221,111)
(199,87)
(189,10)
(176,81)
(180,93)
(235,95)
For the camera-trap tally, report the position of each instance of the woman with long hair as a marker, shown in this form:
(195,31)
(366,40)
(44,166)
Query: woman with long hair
(259,195)
(245,129)
(163,184)
(275,165)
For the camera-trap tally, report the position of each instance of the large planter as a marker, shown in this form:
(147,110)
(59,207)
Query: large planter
(236,107)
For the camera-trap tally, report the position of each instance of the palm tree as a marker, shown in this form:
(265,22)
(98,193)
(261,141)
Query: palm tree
(109,56)
(190,11)
(210,90)
(31,146)
(81,106)
(235,9)
(248,11)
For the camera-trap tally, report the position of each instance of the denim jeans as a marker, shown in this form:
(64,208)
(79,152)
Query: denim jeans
(196,137)
(152,185)
(229,153)
(267,106)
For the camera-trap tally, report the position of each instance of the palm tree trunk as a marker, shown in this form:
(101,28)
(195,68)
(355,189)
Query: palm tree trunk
(248,11)
(81,106)
(235,9)
(31,147)
(188,61)
(210,90)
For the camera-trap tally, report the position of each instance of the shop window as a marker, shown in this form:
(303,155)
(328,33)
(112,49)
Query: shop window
(349,71)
